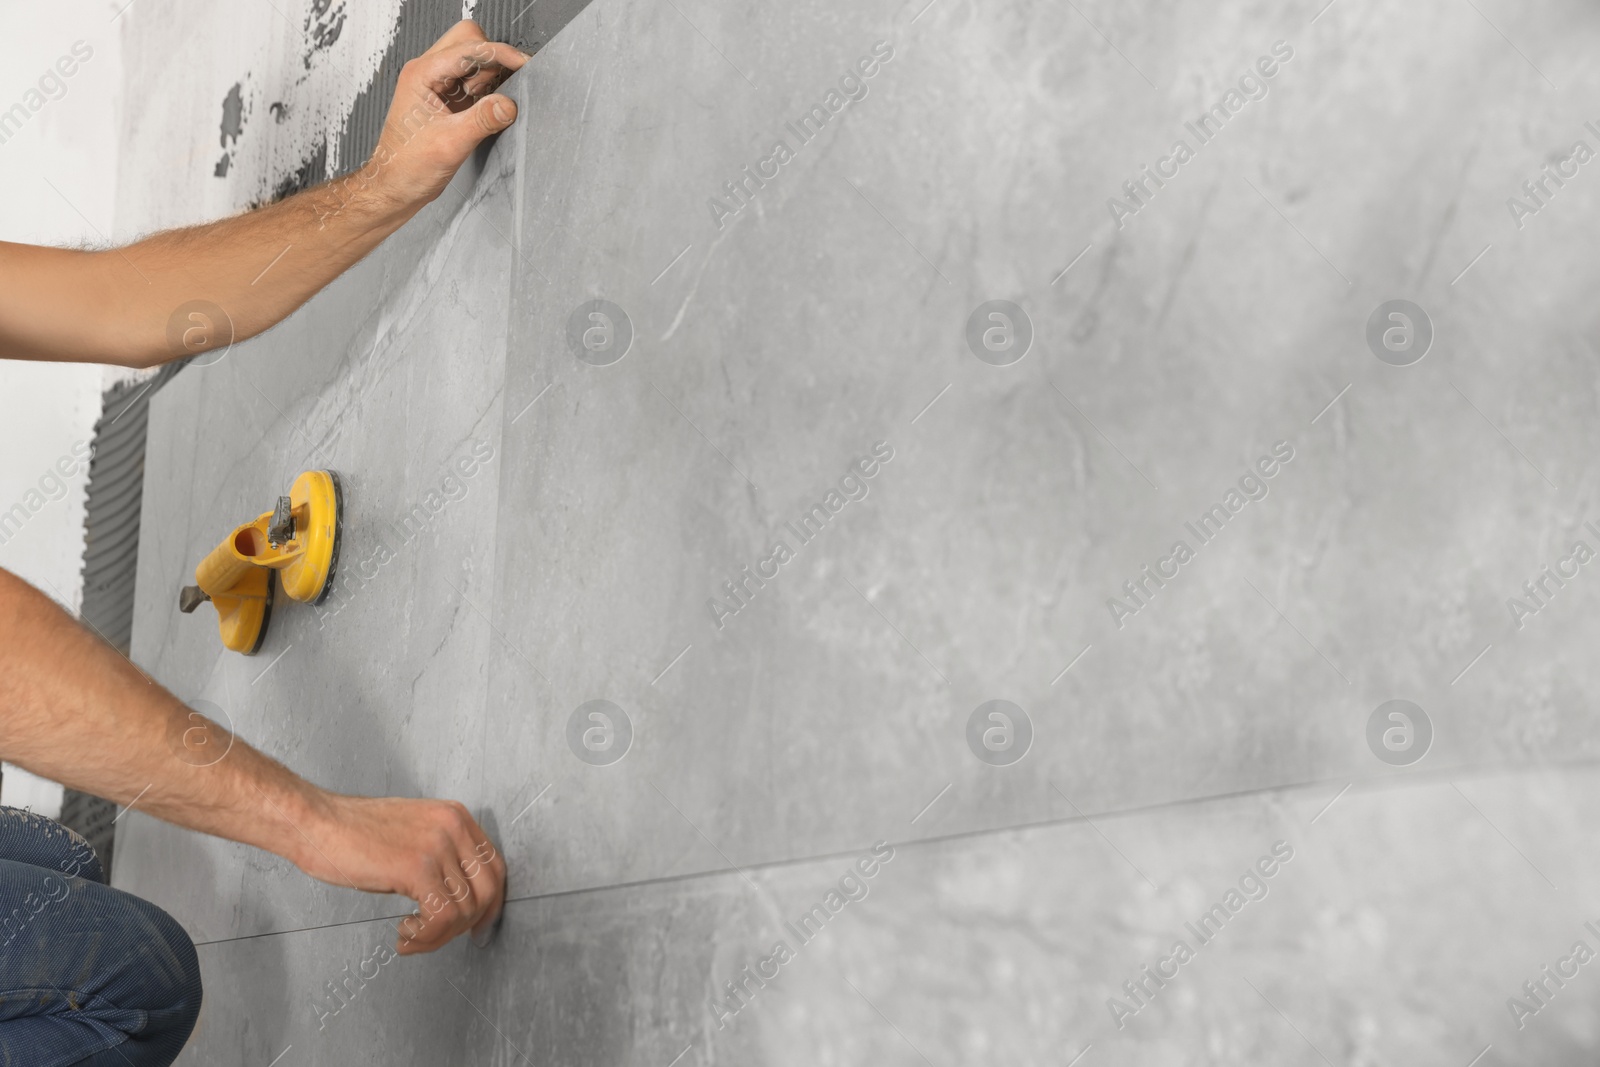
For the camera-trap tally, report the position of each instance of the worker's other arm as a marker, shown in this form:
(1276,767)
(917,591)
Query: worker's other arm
(119,305)
(103,727)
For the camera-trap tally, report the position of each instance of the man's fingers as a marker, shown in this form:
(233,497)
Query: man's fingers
(411,928)
(490,887)
(444,70)
(437,921)
(421,137)
(482,868)
(463,887)
(491,114)
(485,81)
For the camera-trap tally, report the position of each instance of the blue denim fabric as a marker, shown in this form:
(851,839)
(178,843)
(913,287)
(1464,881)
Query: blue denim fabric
(89,975)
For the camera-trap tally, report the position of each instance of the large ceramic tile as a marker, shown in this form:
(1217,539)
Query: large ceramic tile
(1010,947)
(1219,325)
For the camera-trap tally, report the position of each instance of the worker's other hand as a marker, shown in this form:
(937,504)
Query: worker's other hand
(444,105)
(432,851)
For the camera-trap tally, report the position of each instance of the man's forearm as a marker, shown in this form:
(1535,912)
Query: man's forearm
(119,306)
(299,244)
(182,292)
(74,710)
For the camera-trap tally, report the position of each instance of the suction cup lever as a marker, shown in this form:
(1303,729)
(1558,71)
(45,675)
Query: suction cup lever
(190,598)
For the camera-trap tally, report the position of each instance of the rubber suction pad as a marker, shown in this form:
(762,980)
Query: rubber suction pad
(338,537)
(266,614)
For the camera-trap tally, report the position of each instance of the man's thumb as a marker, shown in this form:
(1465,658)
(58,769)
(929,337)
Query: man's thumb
(494,113)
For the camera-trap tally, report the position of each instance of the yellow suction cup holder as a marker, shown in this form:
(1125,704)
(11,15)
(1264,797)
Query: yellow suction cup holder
(299,539)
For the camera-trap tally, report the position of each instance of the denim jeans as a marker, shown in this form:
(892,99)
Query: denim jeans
(89,975)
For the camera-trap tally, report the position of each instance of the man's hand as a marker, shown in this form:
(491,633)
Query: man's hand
(74,710)
(185,292)
(432,851)
(444,106)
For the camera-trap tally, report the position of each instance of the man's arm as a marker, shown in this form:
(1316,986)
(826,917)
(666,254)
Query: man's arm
(118,305)
(74,710)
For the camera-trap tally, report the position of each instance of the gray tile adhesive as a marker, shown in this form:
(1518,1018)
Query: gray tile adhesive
(111,556)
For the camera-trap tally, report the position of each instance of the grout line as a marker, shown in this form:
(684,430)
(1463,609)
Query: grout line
(1074,263)
(1071,665)
(271,665)
(1474,263)
(1332,802)
(1441,777)
(530,403)
(1330,404)
(674,263)
(1469,666)
(545,790)
(930,404)
(932,802)
(671,665)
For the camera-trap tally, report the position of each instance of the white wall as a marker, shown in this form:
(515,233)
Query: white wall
(57,186)
(289,96)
